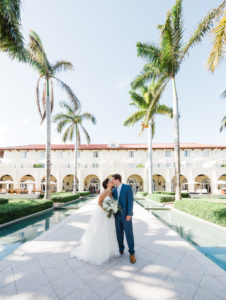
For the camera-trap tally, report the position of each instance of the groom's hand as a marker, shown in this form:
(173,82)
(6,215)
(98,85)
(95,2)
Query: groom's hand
(128,218)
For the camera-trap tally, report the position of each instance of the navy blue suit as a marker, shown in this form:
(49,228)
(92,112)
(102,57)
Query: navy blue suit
(126,202)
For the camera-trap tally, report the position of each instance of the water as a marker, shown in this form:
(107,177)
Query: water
(14,235)
(206,238)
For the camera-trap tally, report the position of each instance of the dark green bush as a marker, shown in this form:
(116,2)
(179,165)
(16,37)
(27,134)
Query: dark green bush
(3,201)
(209,211)
(64,197)
(185,195)
(84,193)
(161,198)
(164,192)
(18,208)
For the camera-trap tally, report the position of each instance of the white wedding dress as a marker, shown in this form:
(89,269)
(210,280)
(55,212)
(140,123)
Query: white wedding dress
(99,243)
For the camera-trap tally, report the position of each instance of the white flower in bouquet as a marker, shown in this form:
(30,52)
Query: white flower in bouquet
(111,206)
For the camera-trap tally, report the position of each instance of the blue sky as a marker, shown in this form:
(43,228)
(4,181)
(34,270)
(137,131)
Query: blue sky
(99,37)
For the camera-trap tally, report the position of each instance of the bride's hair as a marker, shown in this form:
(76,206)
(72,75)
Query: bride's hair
(105,183)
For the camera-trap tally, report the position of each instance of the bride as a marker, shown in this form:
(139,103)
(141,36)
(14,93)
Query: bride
(99,242)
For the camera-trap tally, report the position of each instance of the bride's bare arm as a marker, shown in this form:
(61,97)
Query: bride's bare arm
(101,198)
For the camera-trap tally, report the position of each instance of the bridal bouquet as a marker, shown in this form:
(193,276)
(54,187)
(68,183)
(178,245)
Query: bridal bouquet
(111,206)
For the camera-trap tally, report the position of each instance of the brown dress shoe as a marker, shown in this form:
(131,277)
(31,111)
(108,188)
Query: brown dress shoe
(132,259)
(121,252)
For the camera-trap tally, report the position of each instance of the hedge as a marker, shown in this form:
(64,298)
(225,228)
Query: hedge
(84,193)
(3,201)
(142,193)
(64,197)
(18,208)
(209,211)
(161,198)
(183,195)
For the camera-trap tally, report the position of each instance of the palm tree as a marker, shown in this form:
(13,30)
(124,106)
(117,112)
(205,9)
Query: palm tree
(37,57)
(11,39)
(164,62)
(73,119)
(223,121)
(219,42)
(142,101)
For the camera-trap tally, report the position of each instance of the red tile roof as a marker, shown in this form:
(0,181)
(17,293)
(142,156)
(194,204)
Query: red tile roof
(119,147)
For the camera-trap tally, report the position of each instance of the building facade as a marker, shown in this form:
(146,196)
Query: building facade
(203,167)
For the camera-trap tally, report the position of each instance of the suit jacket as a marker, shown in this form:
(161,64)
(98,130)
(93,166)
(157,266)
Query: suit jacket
(125,199)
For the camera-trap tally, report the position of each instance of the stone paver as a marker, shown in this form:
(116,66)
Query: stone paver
(167,267)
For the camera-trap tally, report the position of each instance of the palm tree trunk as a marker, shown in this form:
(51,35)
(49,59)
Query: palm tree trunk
(176,142)
(76,160)
(48,143)
(150,189)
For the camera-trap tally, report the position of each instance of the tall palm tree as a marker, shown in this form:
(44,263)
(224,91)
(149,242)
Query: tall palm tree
(37,57)
(164,62)
(142,101)
(223,121)
(73,119)
(11,39)
(219,42)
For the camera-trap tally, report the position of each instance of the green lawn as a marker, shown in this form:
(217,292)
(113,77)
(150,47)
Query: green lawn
(17,208)
(204,209)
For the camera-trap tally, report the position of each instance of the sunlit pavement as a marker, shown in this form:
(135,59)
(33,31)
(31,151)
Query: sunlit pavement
(167,267)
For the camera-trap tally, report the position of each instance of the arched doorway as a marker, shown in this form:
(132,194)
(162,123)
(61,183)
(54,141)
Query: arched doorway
(158,182)
(183,183)
(203,184)
(27,183)
(92,184)
(5,187)
(222,183)
(136,182)
(68,182)
(53,184)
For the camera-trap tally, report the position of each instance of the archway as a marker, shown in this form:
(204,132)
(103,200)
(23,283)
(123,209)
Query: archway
(92,184)
(203,184)
(5,187)
(53,184)
(222,183)
(183,183)
(159,183)
(27,182)
(68,182)
(136,182)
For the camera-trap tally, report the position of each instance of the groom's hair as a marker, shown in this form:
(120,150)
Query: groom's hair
(117,176)
(105,183)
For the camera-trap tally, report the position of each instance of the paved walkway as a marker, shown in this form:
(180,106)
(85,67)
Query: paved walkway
(167,267)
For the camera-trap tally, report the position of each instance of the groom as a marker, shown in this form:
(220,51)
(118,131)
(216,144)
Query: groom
(123,219)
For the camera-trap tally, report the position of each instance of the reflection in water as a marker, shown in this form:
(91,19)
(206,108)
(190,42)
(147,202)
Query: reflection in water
(13,236)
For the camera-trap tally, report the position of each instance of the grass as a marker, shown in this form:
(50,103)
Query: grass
(209,211)
(161,197)
(17,208)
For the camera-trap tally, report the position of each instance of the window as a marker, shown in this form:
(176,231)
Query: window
(206,153)
(94,165)
(158,165)
(21,165)
(186,153)
(42,154)
(168,153)
(168,165)
(96,154)
(188,164)
(131,165)
(131,153)
(24,154)
(78,154)
(59,154)
(68,165)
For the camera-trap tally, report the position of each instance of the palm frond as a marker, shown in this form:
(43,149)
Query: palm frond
(66,133)
(223,95)
(162,109)
(149,51)
(177,23)
(88,116)
(61,124)
(70,109)
(74,100)
(135,117)
(137,99)
(51,95)
(61,117)
(38,97)
(204,26)
(223,123)
(62,65)
(78,137)
(86,134)
(219,45)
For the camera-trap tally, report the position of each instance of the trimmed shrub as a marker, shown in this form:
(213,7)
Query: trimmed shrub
(84,193)
(64,197)
(3,201)
(209,211)
(164,192)
(142,193)
(19,208)
(185,195)
(161,198)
